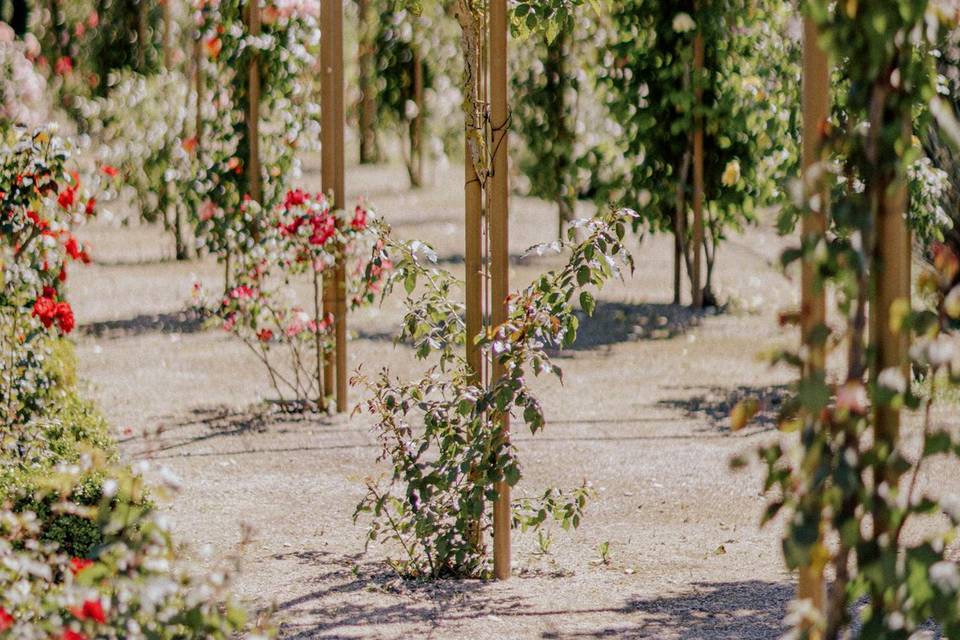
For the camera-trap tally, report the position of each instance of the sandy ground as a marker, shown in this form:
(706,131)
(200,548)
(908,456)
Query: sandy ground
(643,415)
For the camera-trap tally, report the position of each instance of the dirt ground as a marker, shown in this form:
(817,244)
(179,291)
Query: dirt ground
(643,415)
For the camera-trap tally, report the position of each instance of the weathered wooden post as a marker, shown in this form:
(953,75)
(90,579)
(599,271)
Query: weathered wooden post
(698,160)
(369,150)
(816,111)
(167,34)
(498,211)
(333,184)
(254,177)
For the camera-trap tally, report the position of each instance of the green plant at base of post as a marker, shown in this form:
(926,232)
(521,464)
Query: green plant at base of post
(445,473)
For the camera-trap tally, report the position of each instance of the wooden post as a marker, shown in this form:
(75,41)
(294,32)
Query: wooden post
(696,271)
(892,262)
(498,212)
(333,184)
(254,178)
(369,149)
(167,34)
(198,78)
(142,11)
(816,111)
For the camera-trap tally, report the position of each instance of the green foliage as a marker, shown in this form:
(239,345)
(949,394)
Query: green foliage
(441,433)
(85,42)
(750,104)
(567,143)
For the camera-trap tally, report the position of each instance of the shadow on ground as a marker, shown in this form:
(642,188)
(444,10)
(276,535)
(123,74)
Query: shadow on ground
(617,322)
(179,322)
(747,610)
(175,435)
(714,404)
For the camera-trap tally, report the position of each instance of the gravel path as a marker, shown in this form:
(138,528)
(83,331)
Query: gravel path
(642,415)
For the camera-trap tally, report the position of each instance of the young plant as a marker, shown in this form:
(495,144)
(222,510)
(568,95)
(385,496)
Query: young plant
(440,433)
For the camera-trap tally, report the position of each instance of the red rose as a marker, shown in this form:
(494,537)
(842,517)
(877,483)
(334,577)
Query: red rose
(79,564)
(70,634)
(90,610)
(67,197)
(64,66)
(91,206)
(294,198)
(109,170)
(65,318)
(45,310)
(359,222)
(6,620)
(265,335)
(72,248)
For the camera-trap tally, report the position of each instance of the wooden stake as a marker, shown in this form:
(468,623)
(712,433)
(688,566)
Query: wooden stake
(892,262)
(333,183)
(696,271)
(369,150)
(816,110)
(198,77)
(254,178)
(498,211)
(142,10)
(167,34)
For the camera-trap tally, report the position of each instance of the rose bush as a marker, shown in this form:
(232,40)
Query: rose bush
(41,203)
(275,305)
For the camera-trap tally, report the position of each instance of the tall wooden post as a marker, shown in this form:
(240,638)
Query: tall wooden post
(892,262)
(498,211)
(167,34)
(254,178)
(199,80)
(369,150)
(696,274)
(816,110)
(333,183)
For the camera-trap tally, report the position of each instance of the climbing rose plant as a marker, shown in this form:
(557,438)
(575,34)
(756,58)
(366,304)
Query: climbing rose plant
(440,433)
(287,51)
(849,492)
(749,82)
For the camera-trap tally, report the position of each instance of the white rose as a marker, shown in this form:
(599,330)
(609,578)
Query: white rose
(892,378)
(682,22)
